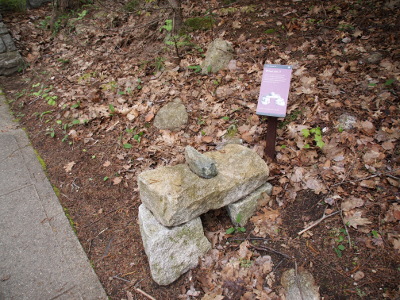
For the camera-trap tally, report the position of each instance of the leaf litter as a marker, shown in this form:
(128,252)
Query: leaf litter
(112,72)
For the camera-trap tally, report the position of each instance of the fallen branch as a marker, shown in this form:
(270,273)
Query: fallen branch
(318,221)
(264,248)
(144,293)
(368,177)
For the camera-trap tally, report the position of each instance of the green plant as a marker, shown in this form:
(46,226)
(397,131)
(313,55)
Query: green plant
(270,31)
(50,132)
(293,116)
(196,68)
(176,40)
(159,64)
(245,263)
(236,229)
(13,5)
(132,6)
(82,14)
(340,235)
(200,23)
(314,133)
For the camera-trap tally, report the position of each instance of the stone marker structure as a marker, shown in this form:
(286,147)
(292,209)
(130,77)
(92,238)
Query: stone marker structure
(10,59)
(173,198)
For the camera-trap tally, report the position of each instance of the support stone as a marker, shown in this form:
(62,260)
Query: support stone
(171,251)
(246,207)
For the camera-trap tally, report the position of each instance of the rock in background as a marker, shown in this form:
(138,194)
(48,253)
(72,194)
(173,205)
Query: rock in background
(171,251)
(10,59)
(171,116)
(299,285)
(218,56)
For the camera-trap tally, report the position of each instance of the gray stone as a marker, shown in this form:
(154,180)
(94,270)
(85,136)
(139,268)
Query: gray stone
(176,195)
(2,46)
(346,121)
(374,58)
(200,164)
(8,41)
(171,116)
(10,62)
(246,207)
(37,3)
(3,28)
(171,251)
(300,285)
(218,56)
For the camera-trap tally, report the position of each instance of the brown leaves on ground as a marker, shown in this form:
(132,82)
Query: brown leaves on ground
(112,72)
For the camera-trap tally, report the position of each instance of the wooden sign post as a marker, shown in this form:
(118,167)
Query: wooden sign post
(272,102)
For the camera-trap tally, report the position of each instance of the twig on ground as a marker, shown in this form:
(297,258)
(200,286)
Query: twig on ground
(365,178)
(264,248)
(318,221)
(144,293)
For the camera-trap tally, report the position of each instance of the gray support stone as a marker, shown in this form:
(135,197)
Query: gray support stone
(246,207)
(176,195)
(171,251)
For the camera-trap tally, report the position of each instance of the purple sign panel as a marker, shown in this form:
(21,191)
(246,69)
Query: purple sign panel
(274,91)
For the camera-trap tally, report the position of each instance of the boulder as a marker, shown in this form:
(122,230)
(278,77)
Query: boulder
(299,285)
(10,62)
(171,116)
(200,164)
(218,56)
(171,251)
(246,207)
(36,3)
(346,121)
(176,195)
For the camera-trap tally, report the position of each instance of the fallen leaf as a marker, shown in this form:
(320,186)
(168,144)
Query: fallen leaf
(352,203)
(117,180)
(107,163)
(367,127)
(207,139)
(149,117)
(368,184)
(358,275)
(356,220)
(68,166)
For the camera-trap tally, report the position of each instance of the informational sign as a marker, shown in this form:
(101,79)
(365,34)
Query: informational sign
(274,91)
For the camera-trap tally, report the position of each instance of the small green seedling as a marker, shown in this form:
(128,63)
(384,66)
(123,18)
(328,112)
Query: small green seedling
(236,229)
(196,68)
(127,146)
(340,238)
(314,133)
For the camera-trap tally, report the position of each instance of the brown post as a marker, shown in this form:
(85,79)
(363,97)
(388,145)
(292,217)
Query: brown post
(271,137)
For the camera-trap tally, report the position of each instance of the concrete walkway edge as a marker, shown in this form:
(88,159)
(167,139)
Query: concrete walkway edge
(40,256)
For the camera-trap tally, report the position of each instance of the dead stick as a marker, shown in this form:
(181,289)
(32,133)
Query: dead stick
(144,294)
(365,178)
(318,221)
(264,248)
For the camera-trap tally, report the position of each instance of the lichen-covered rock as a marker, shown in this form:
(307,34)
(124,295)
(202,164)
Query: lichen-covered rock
(218,56)
(246,207)
(200,164)
(171,251)
(176,195)
(299,285)
(346,121)
(171,116)
(10,62)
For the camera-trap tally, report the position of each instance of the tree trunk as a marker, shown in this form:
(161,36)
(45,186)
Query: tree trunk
(178,18)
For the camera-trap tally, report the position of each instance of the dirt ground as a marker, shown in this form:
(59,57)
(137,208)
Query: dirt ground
(94,81)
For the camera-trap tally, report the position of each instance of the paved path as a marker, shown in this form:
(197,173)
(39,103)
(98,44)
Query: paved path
(40,256)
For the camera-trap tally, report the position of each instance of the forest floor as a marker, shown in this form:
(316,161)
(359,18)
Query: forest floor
(93,85)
